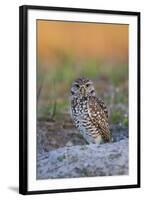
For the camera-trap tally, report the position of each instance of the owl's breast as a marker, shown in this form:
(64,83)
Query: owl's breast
(80,113)
(80,108)
(83,122)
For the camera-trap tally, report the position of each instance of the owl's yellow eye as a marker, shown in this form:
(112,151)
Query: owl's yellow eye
(92,92)
(87,85)
(76,85)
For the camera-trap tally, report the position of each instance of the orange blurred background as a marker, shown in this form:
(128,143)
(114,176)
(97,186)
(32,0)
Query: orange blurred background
(108,42)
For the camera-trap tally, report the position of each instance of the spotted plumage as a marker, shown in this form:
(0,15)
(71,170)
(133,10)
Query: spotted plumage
(89,113)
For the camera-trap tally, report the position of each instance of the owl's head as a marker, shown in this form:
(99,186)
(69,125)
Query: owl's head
(82,87)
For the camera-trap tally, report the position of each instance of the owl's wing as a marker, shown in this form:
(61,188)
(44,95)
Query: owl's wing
(99,118)
(102,105)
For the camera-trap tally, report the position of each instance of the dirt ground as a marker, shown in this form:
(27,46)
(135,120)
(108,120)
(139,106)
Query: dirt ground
(53,134)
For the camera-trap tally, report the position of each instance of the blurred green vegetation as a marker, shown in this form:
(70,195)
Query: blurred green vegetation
(54,83)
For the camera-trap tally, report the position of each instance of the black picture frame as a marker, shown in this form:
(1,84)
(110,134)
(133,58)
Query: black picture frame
(23,95)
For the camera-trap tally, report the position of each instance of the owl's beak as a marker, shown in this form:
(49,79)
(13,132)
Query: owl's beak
(83,91)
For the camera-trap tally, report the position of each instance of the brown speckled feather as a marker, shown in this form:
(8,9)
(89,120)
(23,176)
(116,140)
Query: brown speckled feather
(102,105)
(99,116)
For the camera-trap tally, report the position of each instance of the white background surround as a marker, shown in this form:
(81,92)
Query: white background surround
(9,98)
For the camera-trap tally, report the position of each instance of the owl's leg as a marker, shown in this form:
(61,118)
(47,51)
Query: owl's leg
(87,137)
(98,139)
(93,136)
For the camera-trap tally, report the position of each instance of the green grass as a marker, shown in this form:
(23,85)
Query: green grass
(55,84)
(116,116)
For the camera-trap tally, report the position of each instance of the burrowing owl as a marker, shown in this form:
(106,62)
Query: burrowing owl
(89,112)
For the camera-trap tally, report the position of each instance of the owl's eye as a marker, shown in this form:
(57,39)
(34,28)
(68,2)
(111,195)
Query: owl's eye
(92,92)
(87,85)
(76,85)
